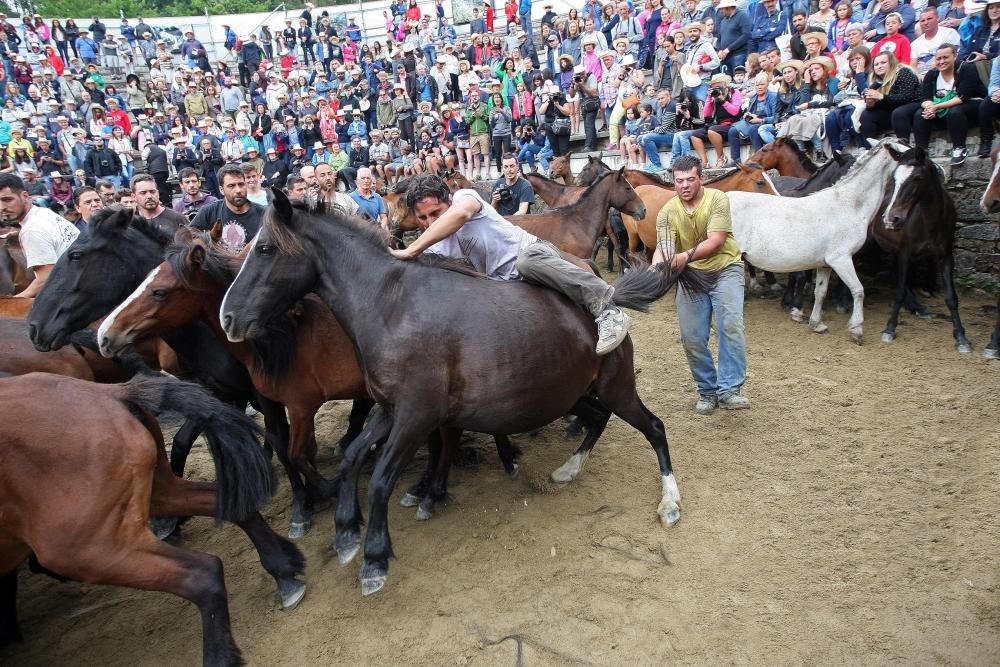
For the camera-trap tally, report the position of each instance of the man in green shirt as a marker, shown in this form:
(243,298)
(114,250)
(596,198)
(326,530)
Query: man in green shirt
(477,116)
(695,228)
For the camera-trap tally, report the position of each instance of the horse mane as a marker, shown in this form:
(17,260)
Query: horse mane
(656,178)
(821,171)
(804,160)
(96,230)
(330,213)
(275,350)
(582,202)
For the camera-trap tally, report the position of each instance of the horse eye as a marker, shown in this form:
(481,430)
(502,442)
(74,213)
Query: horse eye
(75,256)
(265,249)
(160,293)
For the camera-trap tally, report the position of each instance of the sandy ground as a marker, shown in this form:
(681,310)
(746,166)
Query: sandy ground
(850,517)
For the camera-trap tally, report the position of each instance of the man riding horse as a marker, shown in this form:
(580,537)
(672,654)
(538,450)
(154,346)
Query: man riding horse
(463,226)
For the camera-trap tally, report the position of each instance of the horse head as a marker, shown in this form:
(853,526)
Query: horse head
(914,177)
(276,273)
(624,197)
(109,258)
(756,179)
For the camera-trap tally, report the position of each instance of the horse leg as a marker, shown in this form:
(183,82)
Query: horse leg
(173,496)
(822,282)
(902,274)
(844,266)
(616,389)
(962,343)
(10,632)
(992,350)
(347,519)
(437,489)
(594,416)
(299,427)
(508,454)
(416,493)
(912,304)
(181,446)
(408,429)
(355,422)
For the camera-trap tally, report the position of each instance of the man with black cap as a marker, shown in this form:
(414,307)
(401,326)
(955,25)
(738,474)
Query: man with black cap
(102,163)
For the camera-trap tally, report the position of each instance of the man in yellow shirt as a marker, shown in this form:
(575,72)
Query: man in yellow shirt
(695,228)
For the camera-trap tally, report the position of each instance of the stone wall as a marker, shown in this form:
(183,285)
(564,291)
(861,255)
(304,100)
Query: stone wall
(977,240)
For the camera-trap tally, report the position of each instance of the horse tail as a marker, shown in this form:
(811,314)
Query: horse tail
(643,285)
(243,476)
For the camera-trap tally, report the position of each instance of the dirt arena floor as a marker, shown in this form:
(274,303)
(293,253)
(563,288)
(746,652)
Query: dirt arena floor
(850,517)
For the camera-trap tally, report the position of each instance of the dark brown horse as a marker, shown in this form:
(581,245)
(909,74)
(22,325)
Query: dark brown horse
(919,222)
(302,364)
(391,309)
(555,195)
(110,470)
(782,154)
(990,203)
(595,167)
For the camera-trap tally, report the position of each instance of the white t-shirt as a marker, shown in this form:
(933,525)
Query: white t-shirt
(923,49)
(489,241)
(45,236)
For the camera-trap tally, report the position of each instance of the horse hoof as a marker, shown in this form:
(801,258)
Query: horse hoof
(820,328)
(298,529)
(888,337)
(409,500)
(857,338)
(347,546)
(796,315)
(373,578)
(514,470)
(669,513)
(291,593)
(991,353)
(924,315)
(424,513)
(163,526)
(964,347)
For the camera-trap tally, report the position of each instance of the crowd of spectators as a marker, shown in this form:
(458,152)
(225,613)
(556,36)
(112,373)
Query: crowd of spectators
(95,104)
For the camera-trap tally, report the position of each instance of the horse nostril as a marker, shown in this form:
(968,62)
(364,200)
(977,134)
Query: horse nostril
(227,321)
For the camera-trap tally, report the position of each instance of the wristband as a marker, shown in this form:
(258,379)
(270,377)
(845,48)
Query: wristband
(690,255)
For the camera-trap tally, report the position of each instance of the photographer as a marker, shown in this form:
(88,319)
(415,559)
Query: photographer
(632,80)
(590,105)
(721,110)
(557,122)
(512,193)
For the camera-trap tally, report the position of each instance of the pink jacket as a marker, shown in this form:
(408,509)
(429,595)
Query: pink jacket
(732,106)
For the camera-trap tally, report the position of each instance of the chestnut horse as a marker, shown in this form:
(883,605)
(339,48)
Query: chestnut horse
(782,154)
(990,203)
(745,178)
(595,167)
(391,309)
(555,195)
(15,275)
(110,469)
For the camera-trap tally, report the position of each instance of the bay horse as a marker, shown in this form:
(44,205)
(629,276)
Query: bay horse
(559,169)
(595,168)
(555,195)
(745,178)
(788,159)
(15,275)
(391,309)
(19,357)
(110,470)
(919,221)
(821,231)
(990,203)
(16,307)
(112,255)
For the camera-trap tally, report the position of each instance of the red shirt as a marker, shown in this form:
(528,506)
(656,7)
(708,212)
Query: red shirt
(897,45)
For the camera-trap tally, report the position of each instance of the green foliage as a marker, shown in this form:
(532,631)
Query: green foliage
(152,8)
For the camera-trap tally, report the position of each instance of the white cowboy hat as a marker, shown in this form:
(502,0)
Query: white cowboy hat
(628,60)
(726,3)
(690,76)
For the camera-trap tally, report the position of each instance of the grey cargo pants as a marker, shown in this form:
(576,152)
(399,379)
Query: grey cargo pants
(542,263)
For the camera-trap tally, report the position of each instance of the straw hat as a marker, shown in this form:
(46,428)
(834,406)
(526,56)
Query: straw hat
(819,36)
(700,27)
(721,79)
(589,39)
(797,64)
(567,58)
(726,3)
(825,61)
(620,40)
(628,60)
(609,52)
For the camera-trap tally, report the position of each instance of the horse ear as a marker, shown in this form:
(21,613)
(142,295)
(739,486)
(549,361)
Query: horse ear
(196,257)
(111,221)
(282,207)
(743,167)
(183,235)
(920,155)
(215,233)
(894,152)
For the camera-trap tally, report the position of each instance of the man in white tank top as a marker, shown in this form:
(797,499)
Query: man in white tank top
(463,226)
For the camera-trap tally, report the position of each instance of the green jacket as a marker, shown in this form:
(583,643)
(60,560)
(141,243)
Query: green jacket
(478,121)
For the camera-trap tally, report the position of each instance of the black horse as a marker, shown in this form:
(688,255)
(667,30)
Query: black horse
(919,222)
(111,257)
(442,348)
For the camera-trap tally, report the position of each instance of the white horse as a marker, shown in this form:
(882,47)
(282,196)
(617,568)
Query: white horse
(821,231)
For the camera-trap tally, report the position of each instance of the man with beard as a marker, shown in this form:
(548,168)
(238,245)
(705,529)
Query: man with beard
(44,236)
(326,179)
(194,198)
(149,206)
(240,217)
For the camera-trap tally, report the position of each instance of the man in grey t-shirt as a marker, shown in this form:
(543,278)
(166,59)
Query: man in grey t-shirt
(463,226)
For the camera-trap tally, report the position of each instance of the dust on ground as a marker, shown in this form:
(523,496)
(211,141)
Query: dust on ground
(850,517)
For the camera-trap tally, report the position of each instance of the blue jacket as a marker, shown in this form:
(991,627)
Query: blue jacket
(877,22)
(733,33)
(994,77)
(764,28)
(524,7)
(86,47)
(764,109)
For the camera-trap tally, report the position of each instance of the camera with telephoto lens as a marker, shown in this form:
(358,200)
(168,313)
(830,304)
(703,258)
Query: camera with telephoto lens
(578,78)
(748,117)
(715,92)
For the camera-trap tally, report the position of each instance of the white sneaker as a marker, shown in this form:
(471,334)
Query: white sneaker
(612,327)
(733,401)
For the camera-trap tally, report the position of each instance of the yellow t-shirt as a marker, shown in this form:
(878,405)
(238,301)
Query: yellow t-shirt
(680,231)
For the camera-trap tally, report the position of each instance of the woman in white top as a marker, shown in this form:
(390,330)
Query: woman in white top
(122,146)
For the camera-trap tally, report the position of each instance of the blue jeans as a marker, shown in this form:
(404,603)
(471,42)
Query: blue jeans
(651,142)
(694,315)
(738,131)
(701,92)
(681,144)
(528,153)
(526,23)
(766,132)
